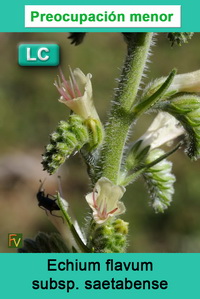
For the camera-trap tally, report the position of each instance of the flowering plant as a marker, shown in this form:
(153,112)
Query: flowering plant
(112,162)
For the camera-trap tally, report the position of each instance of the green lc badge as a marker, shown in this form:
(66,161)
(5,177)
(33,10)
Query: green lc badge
(38,55)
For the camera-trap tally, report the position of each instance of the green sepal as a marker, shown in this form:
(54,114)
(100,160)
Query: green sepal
(96,133)
(153,86)
(186,109)
(79,129)
(134,156)
(63,126)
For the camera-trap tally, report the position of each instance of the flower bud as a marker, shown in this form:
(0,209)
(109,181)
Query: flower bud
(159,181)
(109,237)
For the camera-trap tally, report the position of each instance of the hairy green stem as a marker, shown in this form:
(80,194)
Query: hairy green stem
(120,117)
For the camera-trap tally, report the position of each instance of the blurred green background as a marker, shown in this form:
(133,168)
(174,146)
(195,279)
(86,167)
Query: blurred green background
(29,112)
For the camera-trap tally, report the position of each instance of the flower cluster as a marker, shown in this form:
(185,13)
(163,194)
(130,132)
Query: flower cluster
(159,180)
(178,115)
(68,138)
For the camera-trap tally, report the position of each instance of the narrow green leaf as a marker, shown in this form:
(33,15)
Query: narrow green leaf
(154,98)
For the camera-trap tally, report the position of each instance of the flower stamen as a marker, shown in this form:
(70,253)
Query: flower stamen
(75,85)
(113,211)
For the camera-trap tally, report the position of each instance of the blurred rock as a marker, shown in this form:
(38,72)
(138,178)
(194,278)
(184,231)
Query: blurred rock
(23,169)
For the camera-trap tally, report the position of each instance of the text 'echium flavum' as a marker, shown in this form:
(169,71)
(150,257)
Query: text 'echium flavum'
(76,93)
(105,200)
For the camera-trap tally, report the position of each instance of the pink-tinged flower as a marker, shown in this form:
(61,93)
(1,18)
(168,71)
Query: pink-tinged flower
(105,200)
(76,93)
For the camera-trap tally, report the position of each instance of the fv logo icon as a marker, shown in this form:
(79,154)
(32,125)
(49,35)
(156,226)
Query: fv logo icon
(14,240)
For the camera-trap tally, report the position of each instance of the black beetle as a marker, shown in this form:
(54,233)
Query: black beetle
(46,203)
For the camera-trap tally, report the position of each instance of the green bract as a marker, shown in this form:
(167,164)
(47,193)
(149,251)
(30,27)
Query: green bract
(186,109)
(159,181)
(179,38)
(69,137)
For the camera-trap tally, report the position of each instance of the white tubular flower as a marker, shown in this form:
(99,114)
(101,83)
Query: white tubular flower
(189,82)
(105,200)
(77,93)
(163,129)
